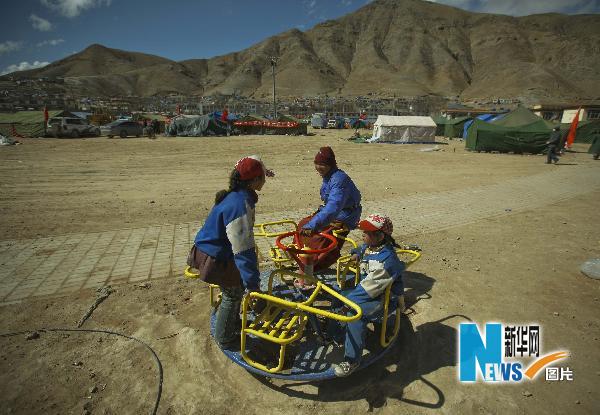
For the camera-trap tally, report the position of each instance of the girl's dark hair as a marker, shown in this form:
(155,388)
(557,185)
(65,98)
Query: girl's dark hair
(388,239)
(235,183)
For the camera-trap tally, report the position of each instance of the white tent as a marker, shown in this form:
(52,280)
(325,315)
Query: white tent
(401,129)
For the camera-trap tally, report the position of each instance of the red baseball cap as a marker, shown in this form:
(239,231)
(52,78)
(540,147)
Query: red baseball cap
(268,172)
(377,222)
(249,168)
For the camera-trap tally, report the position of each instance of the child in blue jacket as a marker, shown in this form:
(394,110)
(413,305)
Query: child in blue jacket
(224,249)
(379,267)
(340,211)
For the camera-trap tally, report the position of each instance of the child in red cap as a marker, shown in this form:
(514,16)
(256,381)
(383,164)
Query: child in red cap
(379,267)
(224,248)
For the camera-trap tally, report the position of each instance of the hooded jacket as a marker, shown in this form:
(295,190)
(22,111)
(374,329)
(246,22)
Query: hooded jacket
(378,269)
(228,234)
(341,202)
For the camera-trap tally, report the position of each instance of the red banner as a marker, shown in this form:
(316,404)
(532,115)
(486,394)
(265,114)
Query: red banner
(271,124)
(573,130)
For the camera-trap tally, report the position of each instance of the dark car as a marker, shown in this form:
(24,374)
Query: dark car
(122,128)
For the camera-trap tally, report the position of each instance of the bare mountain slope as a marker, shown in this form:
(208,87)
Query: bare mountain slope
(402,47)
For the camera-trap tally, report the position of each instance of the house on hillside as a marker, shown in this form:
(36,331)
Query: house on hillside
(459,111)
(587,113)
(565,113)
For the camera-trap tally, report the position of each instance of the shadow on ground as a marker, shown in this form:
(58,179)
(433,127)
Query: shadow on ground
(417,352)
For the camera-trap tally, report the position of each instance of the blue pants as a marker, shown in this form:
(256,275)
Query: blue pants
(356,330)
(227,326)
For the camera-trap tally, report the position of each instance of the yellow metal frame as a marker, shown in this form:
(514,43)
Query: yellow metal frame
(282,322)
(344,264)
(214,302)
(280,258)
(383,339)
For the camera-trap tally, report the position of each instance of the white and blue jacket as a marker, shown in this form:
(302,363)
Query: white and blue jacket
(341,202)
(228,234)
(379,267)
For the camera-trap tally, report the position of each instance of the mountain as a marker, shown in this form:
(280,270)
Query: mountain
(401,47)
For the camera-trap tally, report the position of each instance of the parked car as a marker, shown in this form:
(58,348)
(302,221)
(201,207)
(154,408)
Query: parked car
(71,127)
(122,128)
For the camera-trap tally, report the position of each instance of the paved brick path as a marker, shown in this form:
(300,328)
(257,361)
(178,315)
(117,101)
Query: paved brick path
(62,264)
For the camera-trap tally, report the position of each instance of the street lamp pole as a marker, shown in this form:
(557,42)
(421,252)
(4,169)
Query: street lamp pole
(273,65)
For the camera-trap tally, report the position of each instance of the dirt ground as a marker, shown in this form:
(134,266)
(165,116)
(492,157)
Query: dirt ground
(517,268)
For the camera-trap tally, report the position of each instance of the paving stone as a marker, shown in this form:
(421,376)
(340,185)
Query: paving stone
(67,263)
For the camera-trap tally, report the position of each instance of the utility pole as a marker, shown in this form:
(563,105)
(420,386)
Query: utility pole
(273,65)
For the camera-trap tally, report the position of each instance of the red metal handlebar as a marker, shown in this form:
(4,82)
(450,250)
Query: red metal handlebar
(298,251)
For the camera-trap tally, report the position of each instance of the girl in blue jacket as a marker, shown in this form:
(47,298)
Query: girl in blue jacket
(379,267)
(224,249)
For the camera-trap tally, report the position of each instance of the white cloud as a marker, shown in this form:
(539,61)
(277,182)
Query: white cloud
(51,42)
(72,8)
(23,66)
(525,7)
(311,6)
(346,2)
(40,24)
(10,46)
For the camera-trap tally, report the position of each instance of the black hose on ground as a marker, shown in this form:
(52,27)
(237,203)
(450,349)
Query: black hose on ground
(157,360)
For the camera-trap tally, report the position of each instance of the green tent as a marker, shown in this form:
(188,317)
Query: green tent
(451,128)
(520,131)
(595,147)
(441,124)
(454,127)
(585,130)
(530,138)
(27,123)
(520,116)
(196,126)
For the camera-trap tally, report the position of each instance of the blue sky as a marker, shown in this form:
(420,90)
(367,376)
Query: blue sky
(36,32)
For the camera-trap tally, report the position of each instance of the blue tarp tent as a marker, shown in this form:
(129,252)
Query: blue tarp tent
(483,117)
(230,116)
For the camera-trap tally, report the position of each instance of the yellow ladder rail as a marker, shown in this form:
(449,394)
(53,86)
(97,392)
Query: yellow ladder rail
(383,339)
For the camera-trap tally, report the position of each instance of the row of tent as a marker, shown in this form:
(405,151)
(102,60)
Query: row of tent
(519,131)
(32,124)
(214,125)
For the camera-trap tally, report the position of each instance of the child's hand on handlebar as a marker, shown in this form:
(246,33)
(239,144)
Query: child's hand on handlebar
(306,232)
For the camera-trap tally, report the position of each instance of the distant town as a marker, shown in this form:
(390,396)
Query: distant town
(25,102)
(35,94)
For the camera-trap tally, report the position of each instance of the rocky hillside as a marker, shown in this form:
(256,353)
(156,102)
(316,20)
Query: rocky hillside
(401,47)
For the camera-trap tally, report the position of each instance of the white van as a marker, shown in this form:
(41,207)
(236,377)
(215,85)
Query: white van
(71,127)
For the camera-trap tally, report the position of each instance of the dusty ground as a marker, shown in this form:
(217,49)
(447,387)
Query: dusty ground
(518,268)
(53,187)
